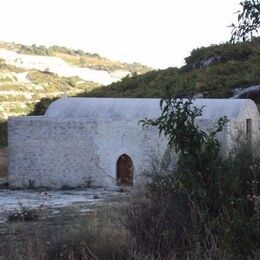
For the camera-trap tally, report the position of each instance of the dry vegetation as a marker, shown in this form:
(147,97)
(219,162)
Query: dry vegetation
(77,57)
(98,235)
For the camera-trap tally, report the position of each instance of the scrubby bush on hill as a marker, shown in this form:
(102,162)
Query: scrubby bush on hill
(41,107)
(35,50)
(222,53)
(213,71)
(239,66)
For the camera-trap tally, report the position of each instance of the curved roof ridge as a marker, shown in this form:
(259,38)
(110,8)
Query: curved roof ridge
(134,108)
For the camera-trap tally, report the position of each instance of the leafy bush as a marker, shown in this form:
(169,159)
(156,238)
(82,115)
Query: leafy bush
(214,198)
(226,52)
(35,50)
(41,106)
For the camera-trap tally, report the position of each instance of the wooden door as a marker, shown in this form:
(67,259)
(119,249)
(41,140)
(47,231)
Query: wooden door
(124,170)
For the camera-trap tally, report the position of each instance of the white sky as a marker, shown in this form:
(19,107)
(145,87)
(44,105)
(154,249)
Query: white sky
(158,33)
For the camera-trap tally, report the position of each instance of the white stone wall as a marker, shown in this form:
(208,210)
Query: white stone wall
(44,152)
(236,131)
(56,153)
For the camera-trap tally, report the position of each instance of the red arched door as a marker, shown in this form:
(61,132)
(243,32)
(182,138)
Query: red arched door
(124,174)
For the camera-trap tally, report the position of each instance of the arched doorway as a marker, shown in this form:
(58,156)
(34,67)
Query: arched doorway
(124,174)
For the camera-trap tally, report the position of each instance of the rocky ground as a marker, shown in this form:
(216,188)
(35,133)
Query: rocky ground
(54,202)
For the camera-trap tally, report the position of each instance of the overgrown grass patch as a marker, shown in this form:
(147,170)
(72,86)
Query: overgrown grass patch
(101,236)
(97,235)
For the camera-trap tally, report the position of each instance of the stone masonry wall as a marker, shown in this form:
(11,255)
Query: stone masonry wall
(60,153)
(44,152)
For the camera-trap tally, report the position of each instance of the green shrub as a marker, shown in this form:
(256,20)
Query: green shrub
(214,198)
(41,106)
(236,66)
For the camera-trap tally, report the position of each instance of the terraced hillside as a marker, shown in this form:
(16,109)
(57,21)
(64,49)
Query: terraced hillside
(77,57)
(21,88)
(30,73)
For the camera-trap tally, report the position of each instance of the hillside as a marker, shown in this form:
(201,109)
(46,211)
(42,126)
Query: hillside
(76,57)
(31,73)
(215,71)
(218,71)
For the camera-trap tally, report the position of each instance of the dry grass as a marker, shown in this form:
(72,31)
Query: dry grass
(97,235)
(100,236)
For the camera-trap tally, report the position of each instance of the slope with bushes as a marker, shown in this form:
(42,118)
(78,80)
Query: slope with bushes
(29,73)
(213,71)
(207,206)
(76,57)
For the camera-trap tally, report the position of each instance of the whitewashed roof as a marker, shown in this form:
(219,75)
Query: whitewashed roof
(135,108)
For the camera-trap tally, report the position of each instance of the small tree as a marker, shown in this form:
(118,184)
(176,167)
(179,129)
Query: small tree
(215,189)
(197,150)
(248,21)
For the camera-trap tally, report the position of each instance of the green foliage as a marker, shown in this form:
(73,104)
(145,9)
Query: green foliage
(198,150)
(44,51)
(69,51)
(41,106)
(213,71)
(248,21)
(50,81)
(221,193)
(222,53)
(35,50)
(78,57)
